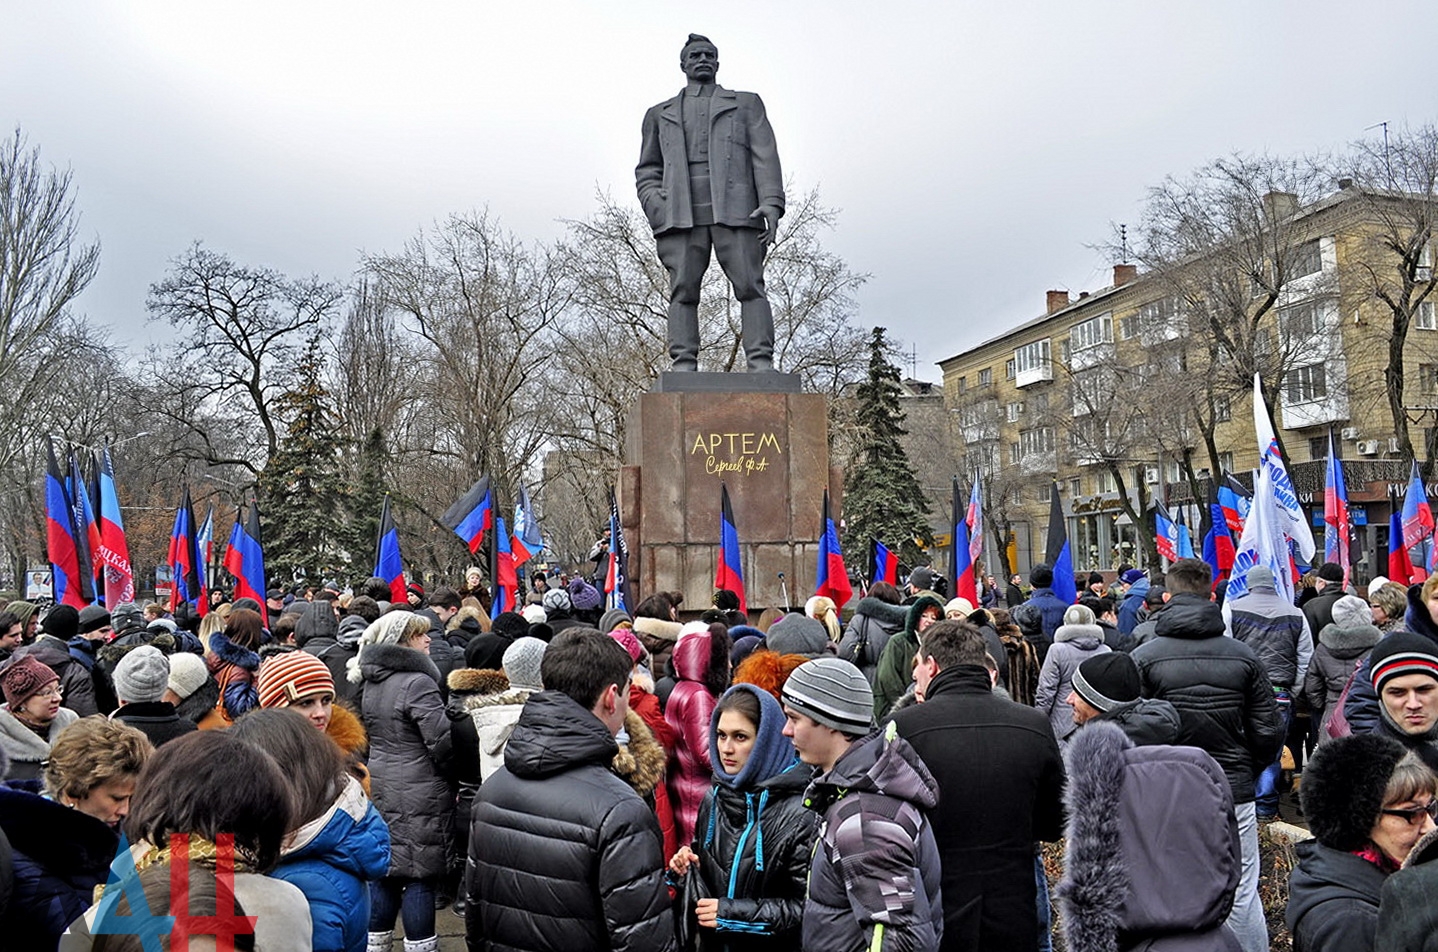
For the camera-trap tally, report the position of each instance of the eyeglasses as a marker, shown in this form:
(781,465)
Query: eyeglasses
(50,692)
(1412,814)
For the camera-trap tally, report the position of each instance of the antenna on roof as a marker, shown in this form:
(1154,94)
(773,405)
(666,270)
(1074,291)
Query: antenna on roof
(1387,162)
(1123,244)
(913,360)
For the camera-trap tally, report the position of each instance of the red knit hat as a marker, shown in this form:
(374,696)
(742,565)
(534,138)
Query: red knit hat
(286,678)
(23,678)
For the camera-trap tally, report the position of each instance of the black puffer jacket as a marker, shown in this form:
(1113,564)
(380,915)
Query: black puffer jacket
(1407,914)
(1218,685)
(409,753)
(562,853)
(1333,900)
(772,833)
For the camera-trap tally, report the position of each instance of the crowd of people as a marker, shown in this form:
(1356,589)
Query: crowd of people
(327,770)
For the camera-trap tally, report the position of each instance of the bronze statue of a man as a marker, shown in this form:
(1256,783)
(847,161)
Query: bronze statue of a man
(708,177)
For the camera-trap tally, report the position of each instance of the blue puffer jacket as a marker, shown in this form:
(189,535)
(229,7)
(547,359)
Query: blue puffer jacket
(1051,607)
(1132,604)
(60,856)
(332,861)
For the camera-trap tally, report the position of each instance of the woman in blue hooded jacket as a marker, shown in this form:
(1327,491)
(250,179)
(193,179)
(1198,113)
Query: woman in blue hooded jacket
(341,843)
(754,837)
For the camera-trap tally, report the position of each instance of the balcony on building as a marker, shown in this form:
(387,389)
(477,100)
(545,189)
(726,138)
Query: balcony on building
(1033,363)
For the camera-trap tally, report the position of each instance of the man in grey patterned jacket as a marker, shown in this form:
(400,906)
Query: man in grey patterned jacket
(874,881)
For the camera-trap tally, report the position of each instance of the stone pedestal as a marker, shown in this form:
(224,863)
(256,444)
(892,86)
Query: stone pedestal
(769,448)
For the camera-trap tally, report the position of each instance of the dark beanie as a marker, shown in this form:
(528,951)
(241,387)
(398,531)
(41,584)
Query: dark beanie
(1344,785)
(1107,680)
(62,622)
(1400,653)
(1330,572)
(510,625)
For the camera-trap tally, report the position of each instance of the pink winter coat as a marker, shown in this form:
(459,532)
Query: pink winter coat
(688,711)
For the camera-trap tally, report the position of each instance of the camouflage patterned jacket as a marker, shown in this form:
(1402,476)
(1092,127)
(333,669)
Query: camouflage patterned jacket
(874,880)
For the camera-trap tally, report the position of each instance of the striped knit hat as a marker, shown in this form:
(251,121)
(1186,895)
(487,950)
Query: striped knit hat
(834,693)
(1402,653)
(286,678)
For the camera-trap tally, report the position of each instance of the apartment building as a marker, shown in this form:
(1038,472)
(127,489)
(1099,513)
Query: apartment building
(1131,394)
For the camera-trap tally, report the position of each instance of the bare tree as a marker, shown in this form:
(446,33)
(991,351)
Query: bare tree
(1230,243)
(242,328)
(1389,259)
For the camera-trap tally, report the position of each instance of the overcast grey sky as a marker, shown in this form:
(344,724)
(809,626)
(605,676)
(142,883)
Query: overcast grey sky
(976,150)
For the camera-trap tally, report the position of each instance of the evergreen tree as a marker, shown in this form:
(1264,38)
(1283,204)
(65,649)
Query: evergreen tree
(368,500)
(304,499)
(882,496)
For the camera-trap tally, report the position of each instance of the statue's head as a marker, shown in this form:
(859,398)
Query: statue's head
(699,59)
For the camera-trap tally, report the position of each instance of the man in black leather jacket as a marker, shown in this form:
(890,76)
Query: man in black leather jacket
(563,854)
(1225,706)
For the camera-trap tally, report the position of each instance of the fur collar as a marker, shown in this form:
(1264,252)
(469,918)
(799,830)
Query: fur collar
(346,730)
(640,762)
(378,662)
(21,743)
(200,703)
(1078,633)
(478,702)
(1359,638)
(477,681)
(231,653)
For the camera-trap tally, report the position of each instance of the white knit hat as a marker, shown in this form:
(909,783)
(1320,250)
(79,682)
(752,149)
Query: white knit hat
(387,629)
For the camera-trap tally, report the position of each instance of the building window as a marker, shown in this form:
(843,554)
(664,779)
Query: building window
(1428,378)
(963,385)
(1302,321)
(1037,442)
(1307,259)
(1013,411)
(1225,462)
(1105,482)
(1092,332)
(1306,384)
(1156,314)
(986,377)
(1010,369)
(1015,454)
(1318,447)
(1128,327)
(1423,318)
(1222,410)
(1075,487)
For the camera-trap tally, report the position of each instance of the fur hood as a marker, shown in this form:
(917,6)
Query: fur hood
(230,653)
(640,762)
(1120,831)
(476,681)
(658,629)
(885,615)
(505,698)
(346,730)
(1346,643)
(378,661)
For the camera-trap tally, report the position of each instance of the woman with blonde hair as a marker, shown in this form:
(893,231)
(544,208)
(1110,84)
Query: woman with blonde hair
(822,608)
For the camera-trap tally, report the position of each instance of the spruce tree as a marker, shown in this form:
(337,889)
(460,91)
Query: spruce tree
(882,496)
(304,499)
